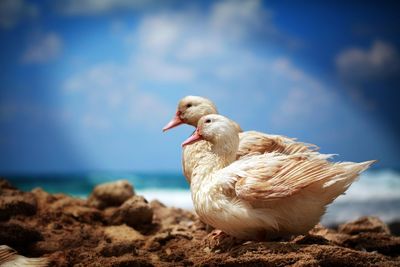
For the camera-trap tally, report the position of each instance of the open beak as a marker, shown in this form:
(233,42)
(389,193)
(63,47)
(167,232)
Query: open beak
(193,138)
(174,122)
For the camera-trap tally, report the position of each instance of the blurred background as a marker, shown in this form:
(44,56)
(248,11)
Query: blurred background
(86,86)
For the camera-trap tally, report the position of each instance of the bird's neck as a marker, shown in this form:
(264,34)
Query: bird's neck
(213,159)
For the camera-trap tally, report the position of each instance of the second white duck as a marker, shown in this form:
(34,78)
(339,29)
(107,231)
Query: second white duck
(262,196)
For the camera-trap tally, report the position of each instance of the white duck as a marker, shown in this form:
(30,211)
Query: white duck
(191,108)
(262,195)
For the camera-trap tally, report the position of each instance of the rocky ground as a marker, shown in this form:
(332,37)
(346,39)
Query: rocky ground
(115,227)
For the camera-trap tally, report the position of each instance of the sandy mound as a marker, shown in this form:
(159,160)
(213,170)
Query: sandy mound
(124,230)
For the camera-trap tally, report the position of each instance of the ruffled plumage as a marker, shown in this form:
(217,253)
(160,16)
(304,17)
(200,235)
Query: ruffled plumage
(250,142)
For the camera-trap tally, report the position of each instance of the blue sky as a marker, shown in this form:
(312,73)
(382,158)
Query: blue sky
(88,85)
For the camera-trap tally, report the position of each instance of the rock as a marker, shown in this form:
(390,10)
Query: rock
(122,233)
(43,198)
(14,202)
(394,228)
(119,249)
(165,216)
(4,184)
(111,194)
(62,237)
(63,201)
(120,240)
(310,239)
(379,242)
(83,214)
(364,224)
(134,212)
(161,238)
(17,235)
(330,234)
(340,256)
(69,232)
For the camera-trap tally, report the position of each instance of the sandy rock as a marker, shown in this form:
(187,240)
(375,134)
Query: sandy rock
(120,240)
(4,184)
(67,232)
(379,242)
(17,235)
(364,234)
(364,224)
(165,216)
(43,198)
(173,233)
(122,233)
(310,239)
(119,249)
(111,194)
(330,234)
(63,201)
(14,202)
(339,256)
(134,212)
(394,228)
(83,214)
(68,236)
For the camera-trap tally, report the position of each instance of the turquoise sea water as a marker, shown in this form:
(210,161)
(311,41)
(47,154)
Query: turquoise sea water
(377,192)
(81,184)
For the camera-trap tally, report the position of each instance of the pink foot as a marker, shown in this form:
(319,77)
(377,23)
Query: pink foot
(217,239)
(218,235)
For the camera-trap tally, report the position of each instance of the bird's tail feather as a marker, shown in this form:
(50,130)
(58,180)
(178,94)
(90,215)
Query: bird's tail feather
(339,184)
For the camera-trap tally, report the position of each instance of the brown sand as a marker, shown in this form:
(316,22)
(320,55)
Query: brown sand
(75,232)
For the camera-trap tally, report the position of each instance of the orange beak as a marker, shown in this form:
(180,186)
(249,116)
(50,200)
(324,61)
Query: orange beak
(193,138)
(174,122)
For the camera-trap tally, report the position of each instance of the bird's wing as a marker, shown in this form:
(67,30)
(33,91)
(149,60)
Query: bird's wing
(270,176)
(252,141)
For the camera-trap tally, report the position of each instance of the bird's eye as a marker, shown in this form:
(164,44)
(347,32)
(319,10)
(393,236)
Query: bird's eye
(208,121)
(188,105)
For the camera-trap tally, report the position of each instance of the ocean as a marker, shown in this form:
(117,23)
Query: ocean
(376,193)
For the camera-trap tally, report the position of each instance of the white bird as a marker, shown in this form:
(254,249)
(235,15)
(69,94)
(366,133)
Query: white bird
(10,258)
(191,108)
(262,196)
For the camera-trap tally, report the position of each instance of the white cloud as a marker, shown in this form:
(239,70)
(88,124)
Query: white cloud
(149,110)
(197,47)
(97,7)
(239,18)
(13,11)
(102,77)
(379,61)
(44,48)
(92,121)
(161,70)
(196,50)
(160,33)
(107,90)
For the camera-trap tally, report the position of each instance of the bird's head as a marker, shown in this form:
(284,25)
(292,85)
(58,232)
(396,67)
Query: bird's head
(218,130)
(189,111)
